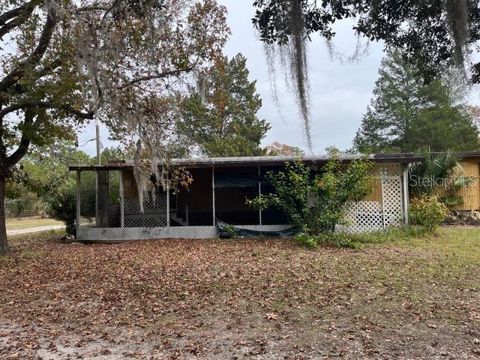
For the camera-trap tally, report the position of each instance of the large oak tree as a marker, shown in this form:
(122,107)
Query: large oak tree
(65,62)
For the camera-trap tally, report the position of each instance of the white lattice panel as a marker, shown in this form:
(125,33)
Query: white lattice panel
(392,200)
(391,170)
(363,216)
(120,234)
(173,232)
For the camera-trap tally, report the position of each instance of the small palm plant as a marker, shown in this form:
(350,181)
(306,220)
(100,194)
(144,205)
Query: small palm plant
(440,175)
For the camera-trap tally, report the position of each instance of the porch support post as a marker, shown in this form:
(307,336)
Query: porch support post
(78,214)
(406,195)
(122,200)
(213,195)
(259,194)
(96,197)
(382,177)
(168,201)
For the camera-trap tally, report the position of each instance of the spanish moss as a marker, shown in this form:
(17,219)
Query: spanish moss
(298,63)
(360,51)
(293,57)
(457,14)
(270,53)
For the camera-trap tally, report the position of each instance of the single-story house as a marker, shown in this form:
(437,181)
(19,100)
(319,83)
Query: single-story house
(218,193)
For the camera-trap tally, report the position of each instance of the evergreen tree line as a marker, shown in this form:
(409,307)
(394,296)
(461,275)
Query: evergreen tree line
(407,114)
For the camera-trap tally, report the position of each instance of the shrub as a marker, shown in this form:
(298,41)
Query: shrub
(228,232)
(440,175)
(428,212)
(315,203)
(62,206)
(307,240)
(61,201)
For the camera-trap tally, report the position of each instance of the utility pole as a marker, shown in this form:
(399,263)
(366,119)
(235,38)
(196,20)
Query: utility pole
(97,177)
(97,137)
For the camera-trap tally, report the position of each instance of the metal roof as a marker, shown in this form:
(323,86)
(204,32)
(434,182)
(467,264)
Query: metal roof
(402,158)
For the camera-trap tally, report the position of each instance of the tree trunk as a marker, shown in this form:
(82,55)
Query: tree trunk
(3,229)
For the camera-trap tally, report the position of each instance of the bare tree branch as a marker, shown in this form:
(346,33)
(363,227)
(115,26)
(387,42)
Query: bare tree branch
(22,148)
(17,11)
(15,17)
(45,105)
(34,57)
(14,107)
(156,76)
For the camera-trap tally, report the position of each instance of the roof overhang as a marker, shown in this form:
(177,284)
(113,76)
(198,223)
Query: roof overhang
(400,158)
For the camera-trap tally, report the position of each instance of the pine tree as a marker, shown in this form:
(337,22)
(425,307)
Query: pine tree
(220,117)
(406,115)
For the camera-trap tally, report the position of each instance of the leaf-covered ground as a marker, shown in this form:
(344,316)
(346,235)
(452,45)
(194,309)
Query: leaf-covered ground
(224,299)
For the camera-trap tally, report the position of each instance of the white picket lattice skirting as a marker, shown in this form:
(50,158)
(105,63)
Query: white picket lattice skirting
(174,232)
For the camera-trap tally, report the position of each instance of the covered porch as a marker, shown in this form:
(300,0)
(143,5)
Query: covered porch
(218,193)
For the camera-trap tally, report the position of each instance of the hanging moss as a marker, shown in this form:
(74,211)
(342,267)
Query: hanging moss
(298,63)
(432,32)
(457,13)
(292,54)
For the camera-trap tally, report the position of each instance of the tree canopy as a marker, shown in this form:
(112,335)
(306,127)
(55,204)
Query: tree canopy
(407,115)
(220,117)
(433,34)
(119,61)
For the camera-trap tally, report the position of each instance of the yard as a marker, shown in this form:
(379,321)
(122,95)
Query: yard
(221,299)
(31,222)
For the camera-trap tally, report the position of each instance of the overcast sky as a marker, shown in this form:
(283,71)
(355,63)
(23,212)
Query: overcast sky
(340,91)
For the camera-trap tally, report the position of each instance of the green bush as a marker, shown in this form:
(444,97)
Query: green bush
(61,200)
(62,206)
(307,240)
(428,212)
(228,232)
(315,202)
